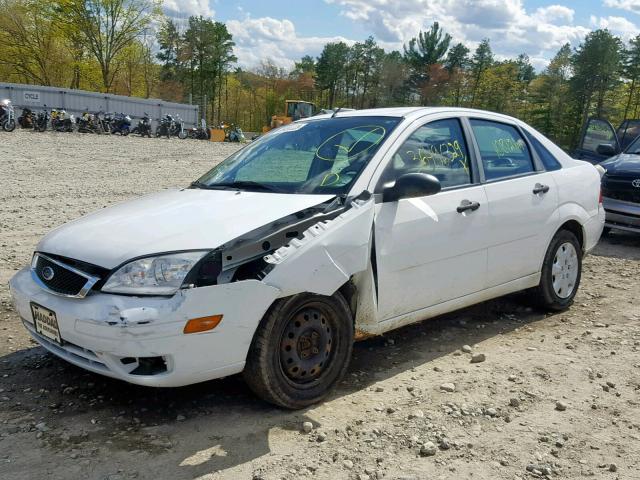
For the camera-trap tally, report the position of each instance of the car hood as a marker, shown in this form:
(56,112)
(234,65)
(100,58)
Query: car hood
(173,220)
(623,164)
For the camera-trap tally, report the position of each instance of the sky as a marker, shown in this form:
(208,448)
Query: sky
(284,31)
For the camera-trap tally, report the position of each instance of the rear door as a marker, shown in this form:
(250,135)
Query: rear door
(596,132)
(522,200)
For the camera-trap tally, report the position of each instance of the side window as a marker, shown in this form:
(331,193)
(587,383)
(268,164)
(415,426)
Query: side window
(437,148)
(598,131)
(503,150)
(548,160)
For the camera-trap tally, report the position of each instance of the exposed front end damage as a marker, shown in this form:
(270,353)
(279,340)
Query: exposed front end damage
(142,339)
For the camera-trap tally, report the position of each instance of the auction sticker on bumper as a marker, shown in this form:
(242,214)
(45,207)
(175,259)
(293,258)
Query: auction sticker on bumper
(46,322)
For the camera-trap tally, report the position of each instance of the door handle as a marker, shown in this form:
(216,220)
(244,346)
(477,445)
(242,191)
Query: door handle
(466,205)
(540,188)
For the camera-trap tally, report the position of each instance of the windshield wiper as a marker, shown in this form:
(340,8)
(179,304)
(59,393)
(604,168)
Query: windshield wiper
(248,184)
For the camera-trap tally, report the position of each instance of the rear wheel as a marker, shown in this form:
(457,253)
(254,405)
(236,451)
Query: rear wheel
(301,349)
(561,272)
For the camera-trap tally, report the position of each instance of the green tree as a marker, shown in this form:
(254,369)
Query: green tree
(427,49)
(549,93)
(597,64)
(631,71)
(394,74)
(108,26)
(32,44)
(306,65)
(170,44)
(330,69)
(207,50)
(457,64)
(481,61)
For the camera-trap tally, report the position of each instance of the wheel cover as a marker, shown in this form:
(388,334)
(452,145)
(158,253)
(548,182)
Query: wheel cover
(306,345)
(564,271)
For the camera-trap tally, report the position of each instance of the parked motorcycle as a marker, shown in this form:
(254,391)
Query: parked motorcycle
(25,120)
(201,133)
(41,120)
(164,126)
(144,126)
(177,128)
(121,124)
(61,121)
(105,120)
(234,134)
(89,123)
(7,116)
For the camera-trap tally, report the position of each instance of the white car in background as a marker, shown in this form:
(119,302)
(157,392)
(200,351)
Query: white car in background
(324,231)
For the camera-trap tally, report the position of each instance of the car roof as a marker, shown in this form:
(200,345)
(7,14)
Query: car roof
(415,112)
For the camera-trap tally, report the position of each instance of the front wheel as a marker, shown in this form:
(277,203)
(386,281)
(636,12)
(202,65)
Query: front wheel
(301,349)
(561,272)
(9,126)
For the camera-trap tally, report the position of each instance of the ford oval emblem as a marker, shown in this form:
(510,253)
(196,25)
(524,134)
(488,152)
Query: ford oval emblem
(636,183)
(47,273)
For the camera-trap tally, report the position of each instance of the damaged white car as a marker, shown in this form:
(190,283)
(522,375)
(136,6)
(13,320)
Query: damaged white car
(321,232)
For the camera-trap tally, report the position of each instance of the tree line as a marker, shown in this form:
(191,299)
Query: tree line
(129,47)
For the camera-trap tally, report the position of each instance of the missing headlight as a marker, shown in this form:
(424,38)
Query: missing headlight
(205,273)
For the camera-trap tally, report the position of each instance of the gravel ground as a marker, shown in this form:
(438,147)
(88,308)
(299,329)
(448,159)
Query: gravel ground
(557,396)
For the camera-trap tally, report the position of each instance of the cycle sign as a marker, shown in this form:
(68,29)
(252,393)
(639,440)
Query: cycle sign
(31,97)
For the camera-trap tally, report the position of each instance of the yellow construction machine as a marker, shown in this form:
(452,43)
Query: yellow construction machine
(293,110)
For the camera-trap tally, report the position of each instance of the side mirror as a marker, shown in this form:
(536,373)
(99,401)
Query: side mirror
(606,149)
(411,185)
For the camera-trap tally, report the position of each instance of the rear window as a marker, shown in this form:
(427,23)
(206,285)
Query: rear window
(503,151)
(548,160)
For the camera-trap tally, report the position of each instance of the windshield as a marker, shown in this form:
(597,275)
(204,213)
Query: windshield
(317,156)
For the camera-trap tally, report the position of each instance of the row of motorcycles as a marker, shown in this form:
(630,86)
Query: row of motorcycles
(102,123)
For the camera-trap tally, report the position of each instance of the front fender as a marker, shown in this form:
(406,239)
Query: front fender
(327,255)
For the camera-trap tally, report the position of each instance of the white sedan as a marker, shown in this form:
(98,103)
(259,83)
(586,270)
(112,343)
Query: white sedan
(322,232)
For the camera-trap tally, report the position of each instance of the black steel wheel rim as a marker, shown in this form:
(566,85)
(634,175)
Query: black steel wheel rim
(307,345)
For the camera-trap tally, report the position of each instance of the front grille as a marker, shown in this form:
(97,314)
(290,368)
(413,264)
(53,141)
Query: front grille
(620,188)
(60,278)
(623,195)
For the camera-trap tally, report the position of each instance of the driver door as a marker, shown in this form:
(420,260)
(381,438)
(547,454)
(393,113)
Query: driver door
(597,131)
(431,249)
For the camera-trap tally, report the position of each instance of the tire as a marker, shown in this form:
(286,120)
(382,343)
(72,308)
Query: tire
(285,365)
(182,134)
(9,126)
(561,272)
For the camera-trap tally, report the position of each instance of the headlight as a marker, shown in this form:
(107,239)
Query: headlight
(161,275)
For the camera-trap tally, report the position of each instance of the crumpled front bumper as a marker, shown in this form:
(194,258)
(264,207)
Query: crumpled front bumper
(101,330)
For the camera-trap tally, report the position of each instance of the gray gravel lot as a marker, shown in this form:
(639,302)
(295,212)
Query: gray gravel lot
(556,396)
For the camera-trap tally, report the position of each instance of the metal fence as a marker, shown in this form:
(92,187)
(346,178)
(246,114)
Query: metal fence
(76,102)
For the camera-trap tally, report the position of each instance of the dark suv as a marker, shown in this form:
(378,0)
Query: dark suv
(621,189)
